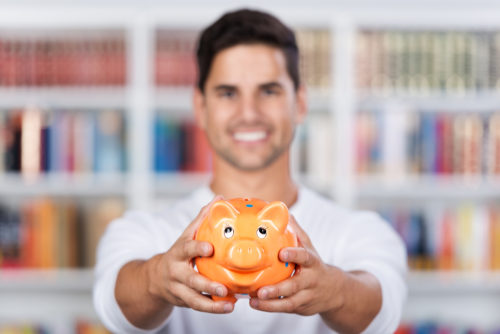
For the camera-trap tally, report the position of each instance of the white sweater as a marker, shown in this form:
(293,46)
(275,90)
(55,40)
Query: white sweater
(351,240)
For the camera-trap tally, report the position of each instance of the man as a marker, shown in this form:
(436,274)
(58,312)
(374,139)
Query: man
(350,264)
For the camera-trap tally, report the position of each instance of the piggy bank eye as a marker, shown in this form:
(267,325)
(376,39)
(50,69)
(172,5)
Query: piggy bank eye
(261,232)
(228,232)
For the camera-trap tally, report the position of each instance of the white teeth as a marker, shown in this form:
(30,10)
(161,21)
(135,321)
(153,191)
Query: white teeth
(250,136)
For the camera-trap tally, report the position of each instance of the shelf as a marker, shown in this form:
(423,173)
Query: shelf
(175,99)
(467,102)
(81,280)
(453,282)
(179,183)
(63,185)
(428,187)
(64,97)
(46,280)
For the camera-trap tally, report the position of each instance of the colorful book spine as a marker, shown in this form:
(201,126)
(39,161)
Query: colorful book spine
(180,146)
(421,63)
(48,233)
(435,327)
(68,60)
(426,142)
(175,64)
(34,141)
(465,237)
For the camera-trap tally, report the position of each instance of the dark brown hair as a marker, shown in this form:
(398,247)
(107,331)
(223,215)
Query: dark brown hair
(246,26)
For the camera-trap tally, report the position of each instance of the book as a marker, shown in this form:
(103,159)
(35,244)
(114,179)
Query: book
(442,237)
(423,62)
(76,58)
(38,141)
(399,142)
(54,233)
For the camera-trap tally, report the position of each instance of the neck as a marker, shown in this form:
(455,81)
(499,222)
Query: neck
(272,183)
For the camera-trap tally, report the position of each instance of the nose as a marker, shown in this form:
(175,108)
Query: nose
(245,255)
(249,108)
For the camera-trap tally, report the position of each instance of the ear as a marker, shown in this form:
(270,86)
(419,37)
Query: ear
(275,214)
(199,108)
(220,211)
(301,112)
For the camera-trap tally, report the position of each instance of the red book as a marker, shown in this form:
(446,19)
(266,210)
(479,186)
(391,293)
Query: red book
(2,63)
(197,152)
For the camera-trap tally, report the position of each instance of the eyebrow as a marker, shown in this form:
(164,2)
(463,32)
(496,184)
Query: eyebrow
(272,84)
(224,87)
(266,85)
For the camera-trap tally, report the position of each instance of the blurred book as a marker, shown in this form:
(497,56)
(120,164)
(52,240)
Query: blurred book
(34,141)
(53,233)
(75,58)
(396,142)
(315,58)
(180,146)
(463,237)
(79,326)
(444,327)
(175,63)
(420,63)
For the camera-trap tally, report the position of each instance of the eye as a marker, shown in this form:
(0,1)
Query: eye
(228,232)
(227,94)
(261,232)
(270,91)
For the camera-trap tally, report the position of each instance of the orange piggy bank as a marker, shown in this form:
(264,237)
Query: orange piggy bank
(247,235)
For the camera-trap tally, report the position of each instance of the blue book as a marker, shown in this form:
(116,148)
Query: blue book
(428,143)
(108,142)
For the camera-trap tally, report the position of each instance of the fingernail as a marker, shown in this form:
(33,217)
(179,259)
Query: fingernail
(206,248)
(219,291)
(285,255)
(228,308)
(264,294)
(254,302)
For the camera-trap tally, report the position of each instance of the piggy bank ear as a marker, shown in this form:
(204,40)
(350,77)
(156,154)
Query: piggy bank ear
(275,214)
(220,211)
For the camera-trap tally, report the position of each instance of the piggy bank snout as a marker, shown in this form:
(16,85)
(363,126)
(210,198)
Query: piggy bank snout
(245,255)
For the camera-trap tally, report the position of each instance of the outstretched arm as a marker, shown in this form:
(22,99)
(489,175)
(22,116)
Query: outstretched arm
(147,291)
(347,301)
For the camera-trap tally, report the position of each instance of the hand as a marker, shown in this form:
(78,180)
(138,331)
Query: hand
(314,288)
(174,279)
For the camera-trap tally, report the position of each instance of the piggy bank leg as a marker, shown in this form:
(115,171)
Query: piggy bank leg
(228,298)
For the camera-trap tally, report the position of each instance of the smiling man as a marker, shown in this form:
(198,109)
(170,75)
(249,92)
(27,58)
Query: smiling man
(350,265)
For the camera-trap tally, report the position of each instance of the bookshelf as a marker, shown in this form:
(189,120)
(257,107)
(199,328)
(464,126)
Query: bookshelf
(335,100)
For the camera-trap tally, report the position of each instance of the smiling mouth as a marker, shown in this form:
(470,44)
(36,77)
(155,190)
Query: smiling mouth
(249,136)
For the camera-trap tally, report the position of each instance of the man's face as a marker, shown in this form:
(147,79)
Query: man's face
(250,107)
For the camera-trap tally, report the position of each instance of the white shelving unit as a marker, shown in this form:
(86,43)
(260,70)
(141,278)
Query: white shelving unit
(44,295)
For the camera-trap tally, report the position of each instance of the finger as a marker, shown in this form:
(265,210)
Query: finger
(190,231)
(195,248)
(202,303)
(301,234)
(202,284)
(298,255)
(283,305)
(286,288)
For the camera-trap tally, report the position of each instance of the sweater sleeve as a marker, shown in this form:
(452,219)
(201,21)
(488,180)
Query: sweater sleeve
(371,245)
(134,236)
